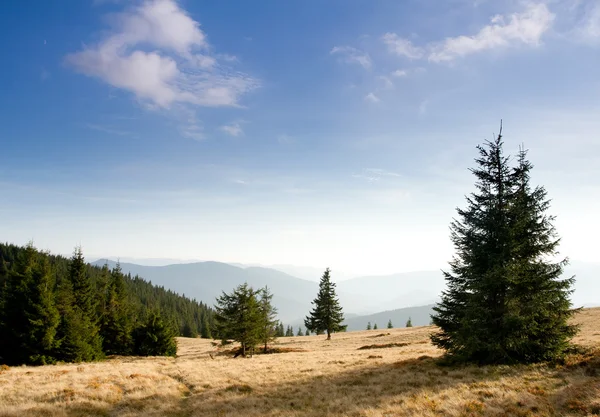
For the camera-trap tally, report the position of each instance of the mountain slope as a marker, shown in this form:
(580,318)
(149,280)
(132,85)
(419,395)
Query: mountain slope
(420,316)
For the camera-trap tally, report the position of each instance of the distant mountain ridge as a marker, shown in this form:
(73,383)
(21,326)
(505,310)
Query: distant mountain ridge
(362,296)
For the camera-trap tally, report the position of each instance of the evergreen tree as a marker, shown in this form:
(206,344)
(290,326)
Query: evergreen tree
(327,313)
(83,313)
(30,318)
(280,331)
(504,302)
(289,331)
(390,325)
(155,337)
(116,329)
(369,326)
(268,322)
(307,333)
(205,332)
(375,326)
(409,322)
(238,317)
(300,333)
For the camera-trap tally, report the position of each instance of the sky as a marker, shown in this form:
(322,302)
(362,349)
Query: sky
(317,133)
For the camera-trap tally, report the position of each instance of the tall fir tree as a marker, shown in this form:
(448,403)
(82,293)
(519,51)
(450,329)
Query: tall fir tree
(369,326)
(117,326)
(390,325)
(205,331)
(502,294)
(268,321)
(84,309)
(30,317)
(237,317)
(326,315)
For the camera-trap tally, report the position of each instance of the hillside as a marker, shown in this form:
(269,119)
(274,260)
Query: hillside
(396,376)
(419,315)
(205,281)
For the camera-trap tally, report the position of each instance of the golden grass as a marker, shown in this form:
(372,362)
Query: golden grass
(311,377)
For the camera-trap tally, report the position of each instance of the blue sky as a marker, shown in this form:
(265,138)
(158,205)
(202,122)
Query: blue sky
(318,133)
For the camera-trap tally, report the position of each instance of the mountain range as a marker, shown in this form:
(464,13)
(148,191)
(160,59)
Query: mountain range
(368,298)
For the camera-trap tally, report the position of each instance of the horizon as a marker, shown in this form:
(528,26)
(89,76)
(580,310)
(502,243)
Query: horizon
(296,133)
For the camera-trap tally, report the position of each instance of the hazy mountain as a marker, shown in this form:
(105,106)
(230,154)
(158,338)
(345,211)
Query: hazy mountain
(359,296)
(303,272)
(392,291)
(420,316)
(205,281)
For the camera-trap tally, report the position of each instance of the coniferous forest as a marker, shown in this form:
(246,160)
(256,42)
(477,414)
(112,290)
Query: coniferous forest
(57,309)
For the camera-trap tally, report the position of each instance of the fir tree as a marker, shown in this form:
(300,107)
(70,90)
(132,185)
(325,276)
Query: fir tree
(289,331)
(117,326)
(238,317)
(205,332)
(504,302)
(300,332)
(155,337)
(280,331)
(409,322)
(369,326)
(307,333)
(84,309)
(30,318)
(375,326)
(268,322)
(390,325)
(327,313)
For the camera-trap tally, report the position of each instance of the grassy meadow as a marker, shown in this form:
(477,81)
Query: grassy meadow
(385,372)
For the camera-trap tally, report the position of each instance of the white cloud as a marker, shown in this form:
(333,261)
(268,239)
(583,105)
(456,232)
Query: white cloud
(375,174)
(372,98)
(352,55)
(233,129)
(589,30)
(178,69)
(402,47)
(519,28)
(399,73)
(387,83)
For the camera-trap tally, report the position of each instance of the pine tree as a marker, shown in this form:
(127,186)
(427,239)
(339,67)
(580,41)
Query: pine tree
(280,331)
(327,313)
(409,322)
(238,317)
(369,326)
(289,331)
(300,332)
(307,332)
(116,328)
(375,326)
(504,302)
(30,317)
(268,322)
(84,309)
(390,325)
(155,337)
(205,332)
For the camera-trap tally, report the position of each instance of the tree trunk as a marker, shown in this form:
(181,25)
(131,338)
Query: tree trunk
(328,335)
(244,350)
(265,350)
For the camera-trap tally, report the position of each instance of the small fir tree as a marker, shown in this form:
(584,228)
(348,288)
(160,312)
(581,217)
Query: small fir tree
(409,322)
(375,326)
(268,322)
(327,313)
(390,325)
(369,326)
(155,337)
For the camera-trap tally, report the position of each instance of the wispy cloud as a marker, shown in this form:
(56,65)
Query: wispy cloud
(402,47)
(352,55)
(375,174)
(285,139)
(526,28)
(589,29)
(178,68)
(233,129)
(399,73)
(386,83)
(372,98)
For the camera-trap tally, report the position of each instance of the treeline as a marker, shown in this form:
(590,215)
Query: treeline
(58,309)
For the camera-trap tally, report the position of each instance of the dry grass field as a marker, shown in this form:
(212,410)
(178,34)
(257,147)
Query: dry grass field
(397,376)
